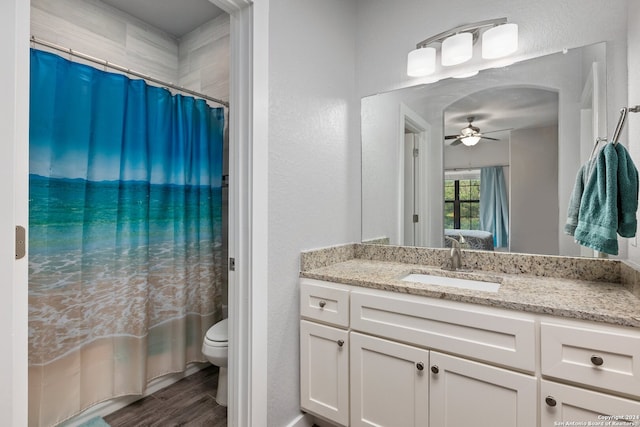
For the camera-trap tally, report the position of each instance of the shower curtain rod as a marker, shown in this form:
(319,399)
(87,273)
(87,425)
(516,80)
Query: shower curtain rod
(104,63)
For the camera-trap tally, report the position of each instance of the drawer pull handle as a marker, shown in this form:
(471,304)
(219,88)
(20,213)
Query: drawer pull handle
(340,343)
(597,360)
(550,401)
(435,369)
(420,366)
(322,304)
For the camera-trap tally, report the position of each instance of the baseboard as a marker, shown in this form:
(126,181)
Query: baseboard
(106,408)
(302,420)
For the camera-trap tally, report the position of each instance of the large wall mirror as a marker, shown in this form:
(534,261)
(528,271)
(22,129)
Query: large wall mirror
(537,121)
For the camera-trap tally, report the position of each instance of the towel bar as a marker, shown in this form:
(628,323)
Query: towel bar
(621,120)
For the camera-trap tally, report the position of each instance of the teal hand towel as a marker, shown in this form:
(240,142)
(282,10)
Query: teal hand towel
(627,193)
(574,202)
(598,216)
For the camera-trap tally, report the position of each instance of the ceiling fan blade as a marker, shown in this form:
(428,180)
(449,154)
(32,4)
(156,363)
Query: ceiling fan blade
(499,130)
(486,137)
(451,136)
(456,142)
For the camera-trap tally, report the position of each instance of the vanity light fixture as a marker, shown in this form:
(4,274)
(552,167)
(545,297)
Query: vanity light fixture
(457,49)
(499,39)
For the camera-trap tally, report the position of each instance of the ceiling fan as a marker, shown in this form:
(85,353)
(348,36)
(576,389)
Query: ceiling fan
(469,135)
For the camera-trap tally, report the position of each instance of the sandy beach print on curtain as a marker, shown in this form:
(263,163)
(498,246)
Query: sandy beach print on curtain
(124,234)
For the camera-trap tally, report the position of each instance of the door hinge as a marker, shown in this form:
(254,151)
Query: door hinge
(415,218)
(415,152)
(21,243)
(232,264)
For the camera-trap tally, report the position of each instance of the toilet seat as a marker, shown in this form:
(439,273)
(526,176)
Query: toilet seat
(218,334)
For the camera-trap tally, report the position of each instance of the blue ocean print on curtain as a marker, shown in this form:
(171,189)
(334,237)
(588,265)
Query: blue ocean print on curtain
(494,207)
(125,238)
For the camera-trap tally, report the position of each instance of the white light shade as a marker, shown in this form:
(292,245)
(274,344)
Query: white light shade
(421,62)
(457,49)
(470,140)
(500,41)
(466,75)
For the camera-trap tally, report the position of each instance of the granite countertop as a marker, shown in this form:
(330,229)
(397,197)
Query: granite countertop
(593,300)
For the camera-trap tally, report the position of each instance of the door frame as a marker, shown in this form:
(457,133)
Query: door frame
(248,210)
(409,119)
(14,190)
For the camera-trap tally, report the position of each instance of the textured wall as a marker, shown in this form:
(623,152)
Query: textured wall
(314,196)
(632,135)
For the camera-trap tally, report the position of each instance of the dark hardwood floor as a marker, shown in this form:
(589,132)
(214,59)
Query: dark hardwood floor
(190,402)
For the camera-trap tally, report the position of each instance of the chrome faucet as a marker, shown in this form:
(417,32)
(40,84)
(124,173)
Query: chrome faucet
(455,258)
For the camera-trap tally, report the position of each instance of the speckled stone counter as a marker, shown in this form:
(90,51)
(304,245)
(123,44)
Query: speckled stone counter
(599,290)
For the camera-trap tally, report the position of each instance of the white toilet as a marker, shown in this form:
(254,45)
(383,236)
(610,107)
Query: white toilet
(214,348)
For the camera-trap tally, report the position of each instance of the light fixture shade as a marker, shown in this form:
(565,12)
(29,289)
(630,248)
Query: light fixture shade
(500,41)
(457,49)
(470,140)
(421,62)
(466,75)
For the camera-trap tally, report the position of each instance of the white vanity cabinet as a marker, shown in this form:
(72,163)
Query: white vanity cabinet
(400,375)
(468,393)
(324,351)
(604,361)
(564,405)
(389,383)
(378,358)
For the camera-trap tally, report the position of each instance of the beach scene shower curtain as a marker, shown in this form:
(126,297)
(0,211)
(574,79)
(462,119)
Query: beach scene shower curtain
(125,234)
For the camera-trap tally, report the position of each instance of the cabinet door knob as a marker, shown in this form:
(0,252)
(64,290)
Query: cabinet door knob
(435,369)
(419,366)
(550,401)
(322,304)
(340,343)
(597,360)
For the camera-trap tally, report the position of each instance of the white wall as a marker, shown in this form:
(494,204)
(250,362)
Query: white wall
(314,192)
(533,198)
(633,120)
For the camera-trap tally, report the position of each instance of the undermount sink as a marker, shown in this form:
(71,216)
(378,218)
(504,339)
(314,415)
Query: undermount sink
(453,282)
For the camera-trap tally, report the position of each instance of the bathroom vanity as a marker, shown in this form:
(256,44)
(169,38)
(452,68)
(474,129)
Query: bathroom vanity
(557,342)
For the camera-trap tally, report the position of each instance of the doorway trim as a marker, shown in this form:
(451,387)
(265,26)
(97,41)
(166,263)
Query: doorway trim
(14,189)
(410,120)
(248,208)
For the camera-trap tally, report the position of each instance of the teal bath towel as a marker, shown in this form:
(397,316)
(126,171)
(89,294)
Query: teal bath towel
(627,193)
(576,198)
(608,203)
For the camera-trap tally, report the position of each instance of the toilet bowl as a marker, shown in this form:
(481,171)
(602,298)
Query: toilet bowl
(214,348)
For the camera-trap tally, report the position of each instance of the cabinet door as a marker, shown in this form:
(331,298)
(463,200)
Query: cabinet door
(324,371)
(466,393)
(389,383)
(566,405)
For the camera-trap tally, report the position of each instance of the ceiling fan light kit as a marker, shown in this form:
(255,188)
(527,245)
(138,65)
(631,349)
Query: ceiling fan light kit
(499,39)
(470,141)
(469,135)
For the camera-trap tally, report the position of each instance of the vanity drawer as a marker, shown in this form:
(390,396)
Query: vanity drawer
(601,357)
(482,333)
(327,303)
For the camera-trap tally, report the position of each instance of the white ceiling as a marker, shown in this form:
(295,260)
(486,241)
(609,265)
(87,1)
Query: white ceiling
(503,108)
(176,17)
